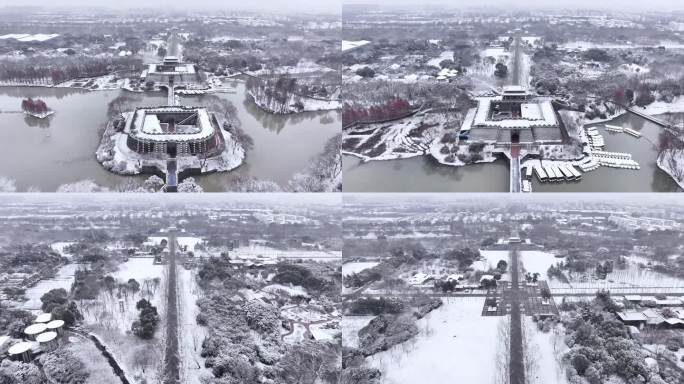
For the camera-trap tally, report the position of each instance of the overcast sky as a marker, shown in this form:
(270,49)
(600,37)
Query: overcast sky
(309,6)
(651,5)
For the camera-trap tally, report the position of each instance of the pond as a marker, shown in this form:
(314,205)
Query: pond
(423,174)
(44,154)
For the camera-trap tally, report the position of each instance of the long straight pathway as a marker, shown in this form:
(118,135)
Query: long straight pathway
(171,352)
(517,360)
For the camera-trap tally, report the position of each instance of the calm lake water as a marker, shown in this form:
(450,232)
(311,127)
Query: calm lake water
(45,154)
(422,174)
(649,178)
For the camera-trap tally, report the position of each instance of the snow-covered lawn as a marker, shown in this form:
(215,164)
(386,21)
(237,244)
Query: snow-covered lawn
(446,55)
(489,259)
(455,345)
(265,252)
(290,291)
(138,268)
(191,334)
(347,45)
(545,351)
(356,267)
(620,279)
(351,325)
(320,332)
(60,246)
(64,278)
(111,316)
(538,262)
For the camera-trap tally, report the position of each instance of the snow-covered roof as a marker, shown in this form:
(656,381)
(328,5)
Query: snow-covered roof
(35,329)
(514,89)
(534,113)
(26,37)
(144,124)
(531,111)
(46,337)
(631,316)
(19,348)
(43,318)
(179,68)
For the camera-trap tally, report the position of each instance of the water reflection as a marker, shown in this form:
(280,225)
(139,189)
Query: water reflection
(61,149)
(424,174)
(36,122)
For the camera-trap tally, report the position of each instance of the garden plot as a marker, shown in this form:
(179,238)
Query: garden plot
(538,262)
(63,279)
(351,325)
(356,267)
(544,354)
(446,339)
(112,314)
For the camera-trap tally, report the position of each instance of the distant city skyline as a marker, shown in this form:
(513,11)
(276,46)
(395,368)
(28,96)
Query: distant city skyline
(276,6)
(617,5)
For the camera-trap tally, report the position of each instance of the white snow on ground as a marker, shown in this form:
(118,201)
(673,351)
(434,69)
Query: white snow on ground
(102,83)
(310,104)
(183,241)
(496,52)
(291,290)
(113,153)
(628,279)
(399,144)
(347,45)
(671,161)
(297,335)
(304,66)
(661,107)
(489,259)
(585,45)
(351,325)
(265,252)
(59,247)
(319,332)
(538,262)
(138,268)
(545,351)
(446,55)
(191,334)
(64,278)
(110,318)
(356,267)
(451,335)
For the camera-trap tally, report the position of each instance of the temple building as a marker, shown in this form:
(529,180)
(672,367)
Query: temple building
(173,71)
(172,130)
(513,117)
